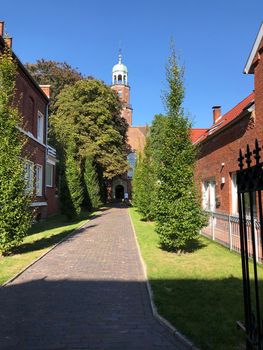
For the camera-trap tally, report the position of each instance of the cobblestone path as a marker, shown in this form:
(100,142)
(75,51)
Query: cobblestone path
(87,293)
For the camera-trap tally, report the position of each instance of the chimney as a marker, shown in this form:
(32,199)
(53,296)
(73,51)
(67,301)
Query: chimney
(2,26)
(46,90)
(8,42)
(216,113)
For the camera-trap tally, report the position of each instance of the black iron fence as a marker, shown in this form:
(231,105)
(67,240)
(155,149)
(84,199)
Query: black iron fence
(250,186)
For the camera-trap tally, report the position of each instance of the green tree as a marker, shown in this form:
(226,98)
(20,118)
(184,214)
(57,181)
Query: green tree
(145,182)
(70,187)
(179,215)
(57,74)
(15,214)
(91,183)
(89,112)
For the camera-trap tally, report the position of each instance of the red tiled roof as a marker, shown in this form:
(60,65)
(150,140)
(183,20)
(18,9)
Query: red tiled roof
(196,133)
(226,118)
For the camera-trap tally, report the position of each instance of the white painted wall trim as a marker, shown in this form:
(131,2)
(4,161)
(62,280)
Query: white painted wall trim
(51,161)
(254,50)
(31,136)
(38,204)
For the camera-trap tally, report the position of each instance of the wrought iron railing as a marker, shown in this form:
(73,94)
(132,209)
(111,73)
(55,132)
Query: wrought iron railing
(249,187)
(224,229)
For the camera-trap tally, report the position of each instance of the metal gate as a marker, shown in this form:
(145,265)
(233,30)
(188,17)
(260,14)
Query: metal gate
(250,187)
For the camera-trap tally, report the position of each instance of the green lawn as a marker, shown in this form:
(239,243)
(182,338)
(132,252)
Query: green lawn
(199,292)
(41,238)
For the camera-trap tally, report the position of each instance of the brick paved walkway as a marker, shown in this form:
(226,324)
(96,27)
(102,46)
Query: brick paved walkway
(87,293)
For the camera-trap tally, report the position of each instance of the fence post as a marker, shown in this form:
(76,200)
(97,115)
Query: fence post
(213,227)
(230,232)
(256,238)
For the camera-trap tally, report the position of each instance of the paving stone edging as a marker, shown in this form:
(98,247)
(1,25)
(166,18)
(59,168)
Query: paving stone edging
(159,318)
(43,255)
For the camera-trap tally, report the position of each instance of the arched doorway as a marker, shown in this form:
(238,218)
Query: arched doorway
(119,192)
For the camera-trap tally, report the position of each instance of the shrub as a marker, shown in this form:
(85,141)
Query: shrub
(15,214)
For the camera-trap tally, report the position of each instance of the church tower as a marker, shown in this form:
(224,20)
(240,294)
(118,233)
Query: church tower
(120,85)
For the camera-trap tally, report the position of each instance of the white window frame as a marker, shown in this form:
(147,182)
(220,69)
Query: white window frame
(209,194)
(234,204)
(39,180)
(52,174)
(40,126)
(29,175)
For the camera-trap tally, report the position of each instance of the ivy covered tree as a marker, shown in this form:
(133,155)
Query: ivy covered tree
(179,215)
(71,190)
(91,183)
(15,214)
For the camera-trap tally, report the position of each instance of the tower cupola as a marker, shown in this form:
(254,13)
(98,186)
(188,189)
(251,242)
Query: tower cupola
(119,73)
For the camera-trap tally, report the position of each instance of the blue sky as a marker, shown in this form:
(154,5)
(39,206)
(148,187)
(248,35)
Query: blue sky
(212,38)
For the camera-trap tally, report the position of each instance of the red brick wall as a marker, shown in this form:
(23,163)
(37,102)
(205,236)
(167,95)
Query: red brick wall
(125,98)
(29,101)
(224,148)
(51,196)
(127,115)
(53,201)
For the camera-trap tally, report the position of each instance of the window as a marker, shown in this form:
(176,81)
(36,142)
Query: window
(119,93)
(209,195)
(234,194)
(249,204)
(40,127)
(49,175)
(131,161)
(29,175)
(246,199)
(120,79)
(39,180)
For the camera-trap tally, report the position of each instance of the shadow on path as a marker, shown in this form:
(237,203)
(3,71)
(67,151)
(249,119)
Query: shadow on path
(66,314)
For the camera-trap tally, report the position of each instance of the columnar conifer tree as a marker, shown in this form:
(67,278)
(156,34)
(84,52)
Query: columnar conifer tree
(15,215)
(164,188)
(179,215)
(145,182)
(71,191)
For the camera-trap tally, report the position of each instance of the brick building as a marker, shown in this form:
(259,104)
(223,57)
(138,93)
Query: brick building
(219,145)
(32,101)
(122,185)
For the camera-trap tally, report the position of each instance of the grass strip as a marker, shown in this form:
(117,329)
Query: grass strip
(41,237)
(200,291)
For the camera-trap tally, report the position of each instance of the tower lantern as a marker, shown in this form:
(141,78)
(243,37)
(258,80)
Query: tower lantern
(119,72)
(120,85)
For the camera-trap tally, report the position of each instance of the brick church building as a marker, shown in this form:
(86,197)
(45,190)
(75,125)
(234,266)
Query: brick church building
(120,186)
